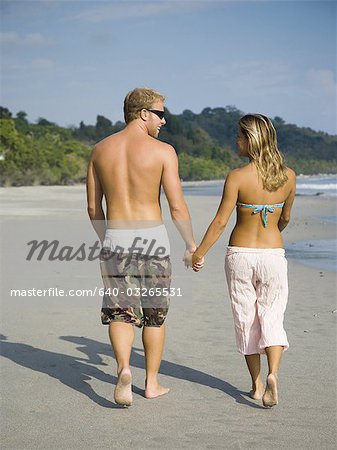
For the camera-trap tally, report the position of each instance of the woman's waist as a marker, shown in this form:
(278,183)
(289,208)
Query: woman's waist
(230,250)
(265,238)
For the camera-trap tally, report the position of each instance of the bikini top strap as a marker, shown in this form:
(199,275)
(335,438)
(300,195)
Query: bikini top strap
(263,209)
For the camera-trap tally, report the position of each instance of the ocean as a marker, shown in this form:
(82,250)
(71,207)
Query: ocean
(306,185)
(317,185)
(321,254)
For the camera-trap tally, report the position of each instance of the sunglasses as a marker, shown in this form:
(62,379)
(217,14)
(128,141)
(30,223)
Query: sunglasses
(157,112)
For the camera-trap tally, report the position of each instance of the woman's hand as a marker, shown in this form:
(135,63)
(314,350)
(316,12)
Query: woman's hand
(197,262)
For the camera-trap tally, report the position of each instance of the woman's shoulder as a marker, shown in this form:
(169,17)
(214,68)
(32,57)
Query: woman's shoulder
(290,174)
(240,171)
(246,168)
(233,175)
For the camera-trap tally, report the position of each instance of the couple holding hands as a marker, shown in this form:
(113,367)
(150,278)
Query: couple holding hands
(128,169)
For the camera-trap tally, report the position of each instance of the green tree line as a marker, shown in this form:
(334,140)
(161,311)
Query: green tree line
(45,153)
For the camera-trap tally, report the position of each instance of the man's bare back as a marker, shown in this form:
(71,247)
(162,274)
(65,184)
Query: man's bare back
(130,165)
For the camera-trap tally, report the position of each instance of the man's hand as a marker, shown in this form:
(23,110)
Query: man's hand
(197,262)
(187,258)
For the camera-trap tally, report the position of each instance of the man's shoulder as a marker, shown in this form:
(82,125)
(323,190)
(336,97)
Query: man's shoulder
(107,140)
(104,145)
(161,149)
(165,148)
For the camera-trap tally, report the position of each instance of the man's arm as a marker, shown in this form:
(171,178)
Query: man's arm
(94,201)
(174,194)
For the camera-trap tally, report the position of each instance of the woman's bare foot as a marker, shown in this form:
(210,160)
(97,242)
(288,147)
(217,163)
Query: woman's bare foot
(270,396)
(154,391)
(123,391)
(257,392)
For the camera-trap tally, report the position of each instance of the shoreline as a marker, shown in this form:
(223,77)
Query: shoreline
(189,183)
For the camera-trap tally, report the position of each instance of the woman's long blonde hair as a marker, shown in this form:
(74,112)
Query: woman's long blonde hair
(262,149)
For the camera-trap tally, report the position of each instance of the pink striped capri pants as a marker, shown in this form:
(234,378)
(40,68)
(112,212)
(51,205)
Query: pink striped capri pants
(258,288)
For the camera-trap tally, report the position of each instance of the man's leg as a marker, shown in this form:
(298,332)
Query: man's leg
(153,341)
(254,367)
(274,354)
(121,337)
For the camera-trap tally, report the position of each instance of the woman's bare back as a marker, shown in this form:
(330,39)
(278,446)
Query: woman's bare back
(258,227)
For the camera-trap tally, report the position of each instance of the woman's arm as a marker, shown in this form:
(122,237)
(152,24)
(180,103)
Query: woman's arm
(285,215)
(215,229)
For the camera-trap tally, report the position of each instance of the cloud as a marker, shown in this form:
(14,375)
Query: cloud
(33,65)
(8,38)
(275,78)
(271,76)
(306,97)
(35,39)
(322,80)
(42,64)
(252,75)
(103,38)
(125,9)
(28,40)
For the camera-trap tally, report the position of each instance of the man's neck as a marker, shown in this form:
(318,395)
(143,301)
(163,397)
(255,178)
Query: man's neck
(138,126)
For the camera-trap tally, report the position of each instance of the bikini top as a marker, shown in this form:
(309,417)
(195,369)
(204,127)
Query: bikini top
(262,209)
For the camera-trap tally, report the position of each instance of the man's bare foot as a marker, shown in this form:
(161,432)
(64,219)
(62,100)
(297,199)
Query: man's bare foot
(257,392)
(123,392)
(270,396)
(155,391)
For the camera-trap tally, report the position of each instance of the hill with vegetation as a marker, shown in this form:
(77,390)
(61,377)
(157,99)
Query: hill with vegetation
(45,153)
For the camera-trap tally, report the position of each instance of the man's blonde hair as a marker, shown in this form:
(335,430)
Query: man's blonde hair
(263,150)
(139,99)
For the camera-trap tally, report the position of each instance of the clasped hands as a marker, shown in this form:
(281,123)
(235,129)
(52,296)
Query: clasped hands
(191,259)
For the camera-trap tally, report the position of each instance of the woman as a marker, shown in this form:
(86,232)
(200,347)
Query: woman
(256,269)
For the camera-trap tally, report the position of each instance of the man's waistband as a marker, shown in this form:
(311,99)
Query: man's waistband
(147,241)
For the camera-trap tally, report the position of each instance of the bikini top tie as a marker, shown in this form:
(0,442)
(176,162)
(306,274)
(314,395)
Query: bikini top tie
(262,209)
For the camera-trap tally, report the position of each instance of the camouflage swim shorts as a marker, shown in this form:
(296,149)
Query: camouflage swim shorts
(136,288)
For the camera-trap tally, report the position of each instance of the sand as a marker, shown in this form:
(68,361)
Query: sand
(57,367)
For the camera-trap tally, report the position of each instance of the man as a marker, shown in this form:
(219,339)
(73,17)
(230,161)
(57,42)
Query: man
(128,169)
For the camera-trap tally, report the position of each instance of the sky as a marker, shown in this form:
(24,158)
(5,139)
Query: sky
(68,61)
